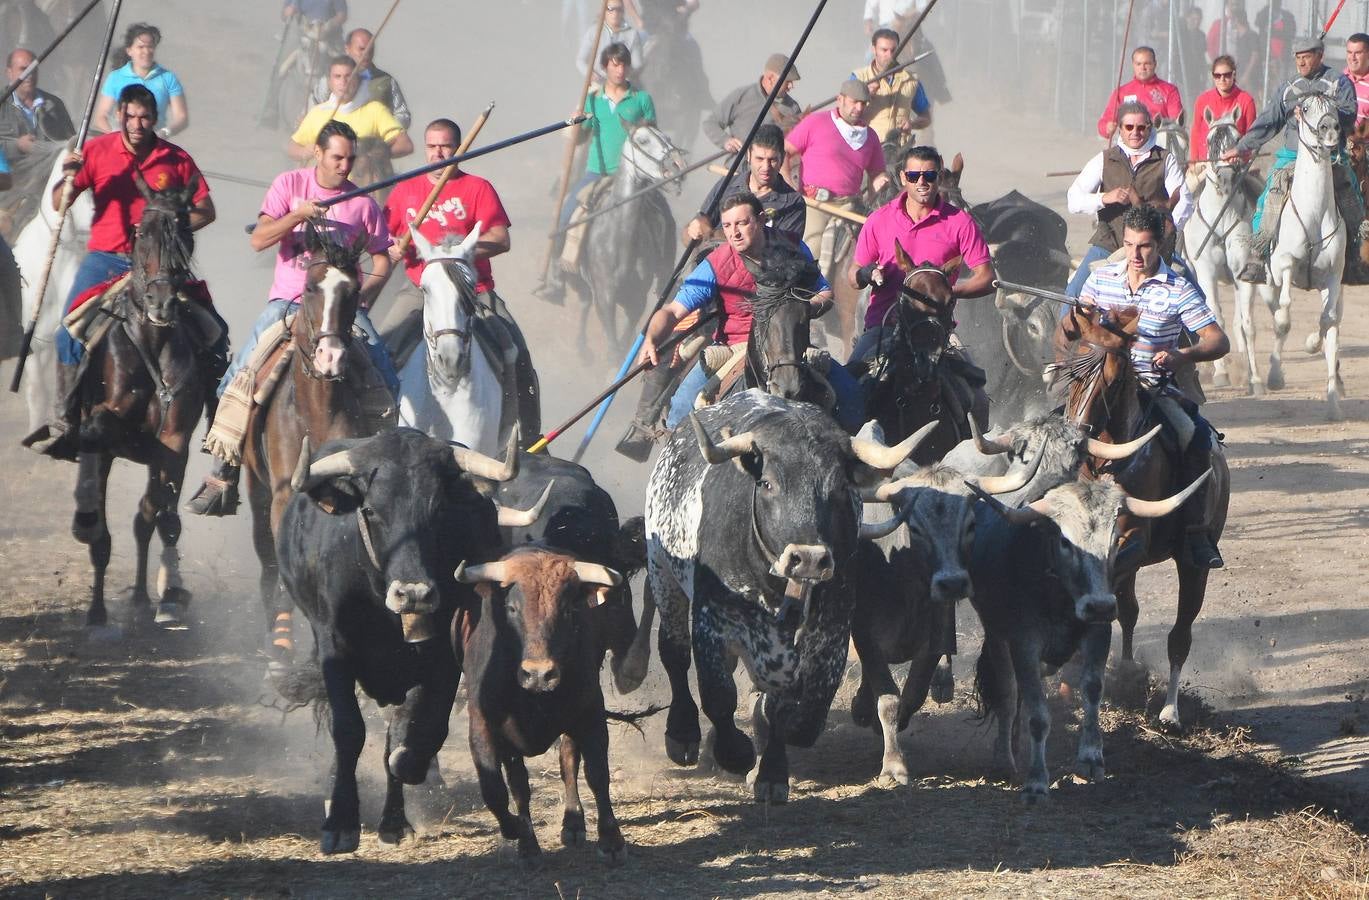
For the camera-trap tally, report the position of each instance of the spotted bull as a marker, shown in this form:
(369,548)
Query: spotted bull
(1042,585)
(368,546)
(752,521)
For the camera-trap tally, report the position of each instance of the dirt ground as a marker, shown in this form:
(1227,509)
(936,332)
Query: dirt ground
(157,764)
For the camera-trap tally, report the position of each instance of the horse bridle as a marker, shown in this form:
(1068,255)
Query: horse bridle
(658,161)
(1318,152)
(313,335)
(795,295)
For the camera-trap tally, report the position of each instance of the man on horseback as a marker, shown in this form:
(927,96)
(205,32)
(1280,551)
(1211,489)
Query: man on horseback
(291,201)
(1135,171)
(1158,96)
(33,126)
(760,175)
(1169,304)
(110,167)
(369,120)
(727,125)
(1313,77)
(325,15)
(376,83)
(898,103)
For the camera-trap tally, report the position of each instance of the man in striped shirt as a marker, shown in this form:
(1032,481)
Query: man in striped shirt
(1169,304)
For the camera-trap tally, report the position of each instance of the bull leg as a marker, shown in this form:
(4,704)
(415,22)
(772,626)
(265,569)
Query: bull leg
(573,818)
(921,672)
(493,790)
(516,771)
(770,779)
(1283,322)
(997,689)
(1094,651)
(88,526)
(1192,591)
(672,639)
(630,671)
(1026,661)
(878,690)
(394,823)
(593,742)
(732,750)
(342,812)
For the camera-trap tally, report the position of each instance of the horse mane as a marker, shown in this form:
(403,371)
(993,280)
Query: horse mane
(327,240)
(166,225)
(785,276)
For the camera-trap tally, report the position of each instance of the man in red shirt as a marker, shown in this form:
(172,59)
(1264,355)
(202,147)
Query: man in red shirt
(1224,97)
(1156,95)
(106,168)
(465,200)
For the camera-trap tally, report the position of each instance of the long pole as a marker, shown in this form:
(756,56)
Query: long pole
(892,70)
(572,141)
(403,242)
(268,115)
(693,245)
(654,186)
(67,195)
(1271,12)
(31,67)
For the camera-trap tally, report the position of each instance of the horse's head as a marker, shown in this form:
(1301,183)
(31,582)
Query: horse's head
(1174,138)
(162,248)
(779,341)
(1100,373)
(448,284)
(1318,124)
(328,306)
(650,156)
(948,182)
(1222,135)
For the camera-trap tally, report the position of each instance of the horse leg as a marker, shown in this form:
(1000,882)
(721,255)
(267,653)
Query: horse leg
(144,523)
(280,641)
(88,526)
(1192,590)
(1283,322)
(1211,286)
(1128,611)
(172,596)
(1245,329)
(1327,339)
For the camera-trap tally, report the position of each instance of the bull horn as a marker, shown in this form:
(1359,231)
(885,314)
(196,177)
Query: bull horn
(1105,450)
(1154,509)
(730,448)
(889,490)
(482,466)
(878,456)
(593,573)
(873,531)
(492,571)
(1006,484)
(1025,515)
(309,475)
(521,518)
(986,446)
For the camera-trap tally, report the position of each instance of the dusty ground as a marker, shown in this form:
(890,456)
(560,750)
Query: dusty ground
(155,765)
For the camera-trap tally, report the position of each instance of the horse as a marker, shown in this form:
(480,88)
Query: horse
(1220,224)
(449,389)
(1103,397)
(671,70)
(1308,251)
(629,249)
(140,397)
(30,252)
(1174,138)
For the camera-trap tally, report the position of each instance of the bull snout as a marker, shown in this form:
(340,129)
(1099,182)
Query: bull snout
(805,562)
(1096,608)
(410,597)
(539,675)
(328,356)
(948,587)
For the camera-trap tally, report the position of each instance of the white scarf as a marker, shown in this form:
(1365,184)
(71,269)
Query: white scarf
(350,106)
(1134,156)
(854,135)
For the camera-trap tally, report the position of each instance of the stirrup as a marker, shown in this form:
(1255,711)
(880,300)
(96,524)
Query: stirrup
(54,440)
(216,497)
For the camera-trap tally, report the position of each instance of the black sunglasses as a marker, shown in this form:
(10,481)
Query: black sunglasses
(929,176)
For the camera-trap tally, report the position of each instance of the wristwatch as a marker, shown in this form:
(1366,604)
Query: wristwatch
(165,131)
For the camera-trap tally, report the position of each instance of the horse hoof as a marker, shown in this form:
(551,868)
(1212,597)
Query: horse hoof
(1035,793)
(892,776)
(104,633)
(394,832)
(771,791)
(1333,410)
(135,597)
(1313,344)
(1169,718)
(345,841)
(169,616)
(573,836)
(1256,389)
(682,753)
(614,857)
(1275,380)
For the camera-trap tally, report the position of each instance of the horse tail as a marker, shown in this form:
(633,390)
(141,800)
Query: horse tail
(302,685)
(990,682)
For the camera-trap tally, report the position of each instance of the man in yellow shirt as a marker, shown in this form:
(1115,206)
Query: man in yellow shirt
(370,119)
(898,104)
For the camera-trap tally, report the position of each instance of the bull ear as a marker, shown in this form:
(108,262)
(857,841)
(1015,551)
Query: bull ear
(749,461)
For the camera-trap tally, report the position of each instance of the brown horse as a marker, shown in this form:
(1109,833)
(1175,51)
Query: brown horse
(313,400)
(140,398)
(1103,397)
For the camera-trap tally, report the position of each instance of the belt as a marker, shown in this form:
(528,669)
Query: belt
(822,195)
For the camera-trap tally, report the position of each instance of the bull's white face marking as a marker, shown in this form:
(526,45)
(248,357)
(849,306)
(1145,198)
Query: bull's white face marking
(329,354)
(410,597)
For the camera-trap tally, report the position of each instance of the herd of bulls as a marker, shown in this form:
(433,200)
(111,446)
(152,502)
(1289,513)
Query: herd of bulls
(770,537)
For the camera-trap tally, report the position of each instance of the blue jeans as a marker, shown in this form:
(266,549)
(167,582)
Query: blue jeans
(276,310)
(850,411)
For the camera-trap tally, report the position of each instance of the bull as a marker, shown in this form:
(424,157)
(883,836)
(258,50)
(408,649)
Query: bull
(756,532)
(1042,579)
(367,548)
(532,650)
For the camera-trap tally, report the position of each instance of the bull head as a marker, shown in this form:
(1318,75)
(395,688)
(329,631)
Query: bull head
(1096,448)
(1144,509)
(601,578)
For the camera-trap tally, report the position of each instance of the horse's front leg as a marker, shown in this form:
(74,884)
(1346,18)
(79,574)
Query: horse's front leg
(1211,287)
(1283,322)
(1245,333)
(1327,340)
(88,526)
(164,490)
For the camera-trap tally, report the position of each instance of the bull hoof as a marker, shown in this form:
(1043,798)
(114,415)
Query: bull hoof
(104,633)
(344,841)
(894,774)
(1256,389)
(528,848)
(1169,718)
(613,857)
(770,791)
(405,765)
(628,676)
(395,832)
(682,753)
(734,752)
(943,685)
(1034,793)
(862,708)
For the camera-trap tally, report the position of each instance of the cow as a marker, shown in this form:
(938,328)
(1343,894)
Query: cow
(756,532)
(580,519)
(532,652)
(1042,579)
(367,548)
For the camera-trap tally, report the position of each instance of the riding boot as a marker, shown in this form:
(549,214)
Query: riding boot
(641,435)
(218,495)
(58,438)
(1199,541)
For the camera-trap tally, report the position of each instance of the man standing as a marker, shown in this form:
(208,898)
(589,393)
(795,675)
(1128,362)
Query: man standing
(369,120)
(1313,77)
(728,125)
(325,15)
(1134,171)
(106,167)
(898,104)
(1160,97)
(835,151)
(1169,305)
(616,30)
(783,207)
(376,84)
(33,126)
(292,200)
(1225,97)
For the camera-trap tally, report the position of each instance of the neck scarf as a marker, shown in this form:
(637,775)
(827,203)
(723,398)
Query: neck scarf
(350,106)
(854,135)
(1134,156)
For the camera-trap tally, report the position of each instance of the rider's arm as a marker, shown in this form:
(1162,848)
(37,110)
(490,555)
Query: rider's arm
(1212,344)
(1180,198)
(1084,196)
(922,109)
(270,231)
(1174,105)
(1267,124)
(101,121)
(717,123)
(978,284)
(74,164)
(402,145)
(1107,122)
(493,241)
(1347,104)
(699,287)
(202,213)
(372,283)
(659,328)
(399,105)
(792,167)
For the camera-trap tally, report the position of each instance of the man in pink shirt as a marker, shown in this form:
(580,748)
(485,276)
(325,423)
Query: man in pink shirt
(1156,95)
(834,152)
(291,201)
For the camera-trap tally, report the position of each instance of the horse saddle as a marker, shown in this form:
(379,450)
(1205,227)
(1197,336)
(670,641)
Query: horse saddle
(587,200)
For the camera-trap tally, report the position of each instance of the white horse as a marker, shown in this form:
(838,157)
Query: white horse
(30,252)
(448,388)
(1309,250)
(1220,226)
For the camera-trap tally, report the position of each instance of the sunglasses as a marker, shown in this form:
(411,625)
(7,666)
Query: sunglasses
(1223,75)
(928,176)
(1141,127)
